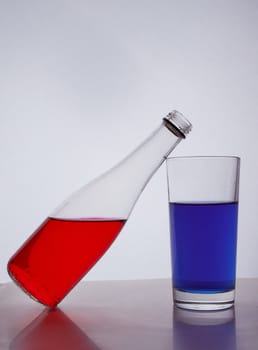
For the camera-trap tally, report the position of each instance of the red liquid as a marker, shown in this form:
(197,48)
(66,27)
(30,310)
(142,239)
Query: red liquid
(59,254)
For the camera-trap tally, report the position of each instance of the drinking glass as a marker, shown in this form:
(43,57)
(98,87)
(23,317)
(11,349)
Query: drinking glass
(203,209)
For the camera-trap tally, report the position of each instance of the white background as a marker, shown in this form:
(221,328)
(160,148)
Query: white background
(83,82)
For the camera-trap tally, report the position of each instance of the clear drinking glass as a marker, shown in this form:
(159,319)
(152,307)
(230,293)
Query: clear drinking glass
(203,209)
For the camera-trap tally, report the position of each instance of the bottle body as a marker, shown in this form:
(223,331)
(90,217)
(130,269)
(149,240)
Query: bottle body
(72,239)
(59,253)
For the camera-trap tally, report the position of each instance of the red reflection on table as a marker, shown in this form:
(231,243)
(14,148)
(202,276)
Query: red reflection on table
(52,330)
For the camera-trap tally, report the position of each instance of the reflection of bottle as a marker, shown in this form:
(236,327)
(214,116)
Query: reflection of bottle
(74,237)
(204,330)
(52,330)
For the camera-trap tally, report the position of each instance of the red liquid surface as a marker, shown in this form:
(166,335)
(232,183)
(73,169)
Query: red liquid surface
(59,254)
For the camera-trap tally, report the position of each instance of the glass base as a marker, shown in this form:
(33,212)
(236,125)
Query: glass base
(204,302)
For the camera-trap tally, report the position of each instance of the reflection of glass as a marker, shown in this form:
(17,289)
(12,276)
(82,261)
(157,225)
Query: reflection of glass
(204,330)
(67,245)
(203,207)
(52,330)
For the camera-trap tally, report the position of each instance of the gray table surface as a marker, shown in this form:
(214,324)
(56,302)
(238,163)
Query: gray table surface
(126,315)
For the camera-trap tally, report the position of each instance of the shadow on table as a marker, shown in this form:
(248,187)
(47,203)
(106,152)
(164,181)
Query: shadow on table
(204,330)
(52,330)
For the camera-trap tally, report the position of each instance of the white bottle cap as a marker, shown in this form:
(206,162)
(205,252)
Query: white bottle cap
(179,122)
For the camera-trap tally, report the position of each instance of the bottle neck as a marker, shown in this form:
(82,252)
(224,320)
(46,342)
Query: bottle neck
(113,194)
(143,162)
(129,177)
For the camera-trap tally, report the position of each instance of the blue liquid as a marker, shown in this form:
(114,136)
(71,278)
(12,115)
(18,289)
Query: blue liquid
(203,239)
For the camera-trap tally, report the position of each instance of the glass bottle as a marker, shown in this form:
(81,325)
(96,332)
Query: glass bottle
(75,236)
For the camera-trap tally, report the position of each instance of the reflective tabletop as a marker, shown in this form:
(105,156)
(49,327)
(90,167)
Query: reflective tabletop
(126,315)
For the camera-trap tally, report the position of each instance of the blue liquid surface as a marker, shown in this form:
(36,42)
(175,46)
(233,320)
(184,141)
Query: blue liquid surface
(203,246)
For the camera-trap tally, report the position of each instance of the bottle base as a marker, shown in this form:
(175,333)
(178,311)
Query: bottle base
(204,302)
(33,291)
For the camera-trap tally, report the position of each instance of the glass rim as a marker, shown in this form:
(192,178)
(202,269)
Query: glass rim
(204,157)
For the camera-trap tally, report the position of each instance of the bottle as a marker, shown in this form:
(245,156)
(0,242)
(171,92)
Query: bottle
(75,236)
